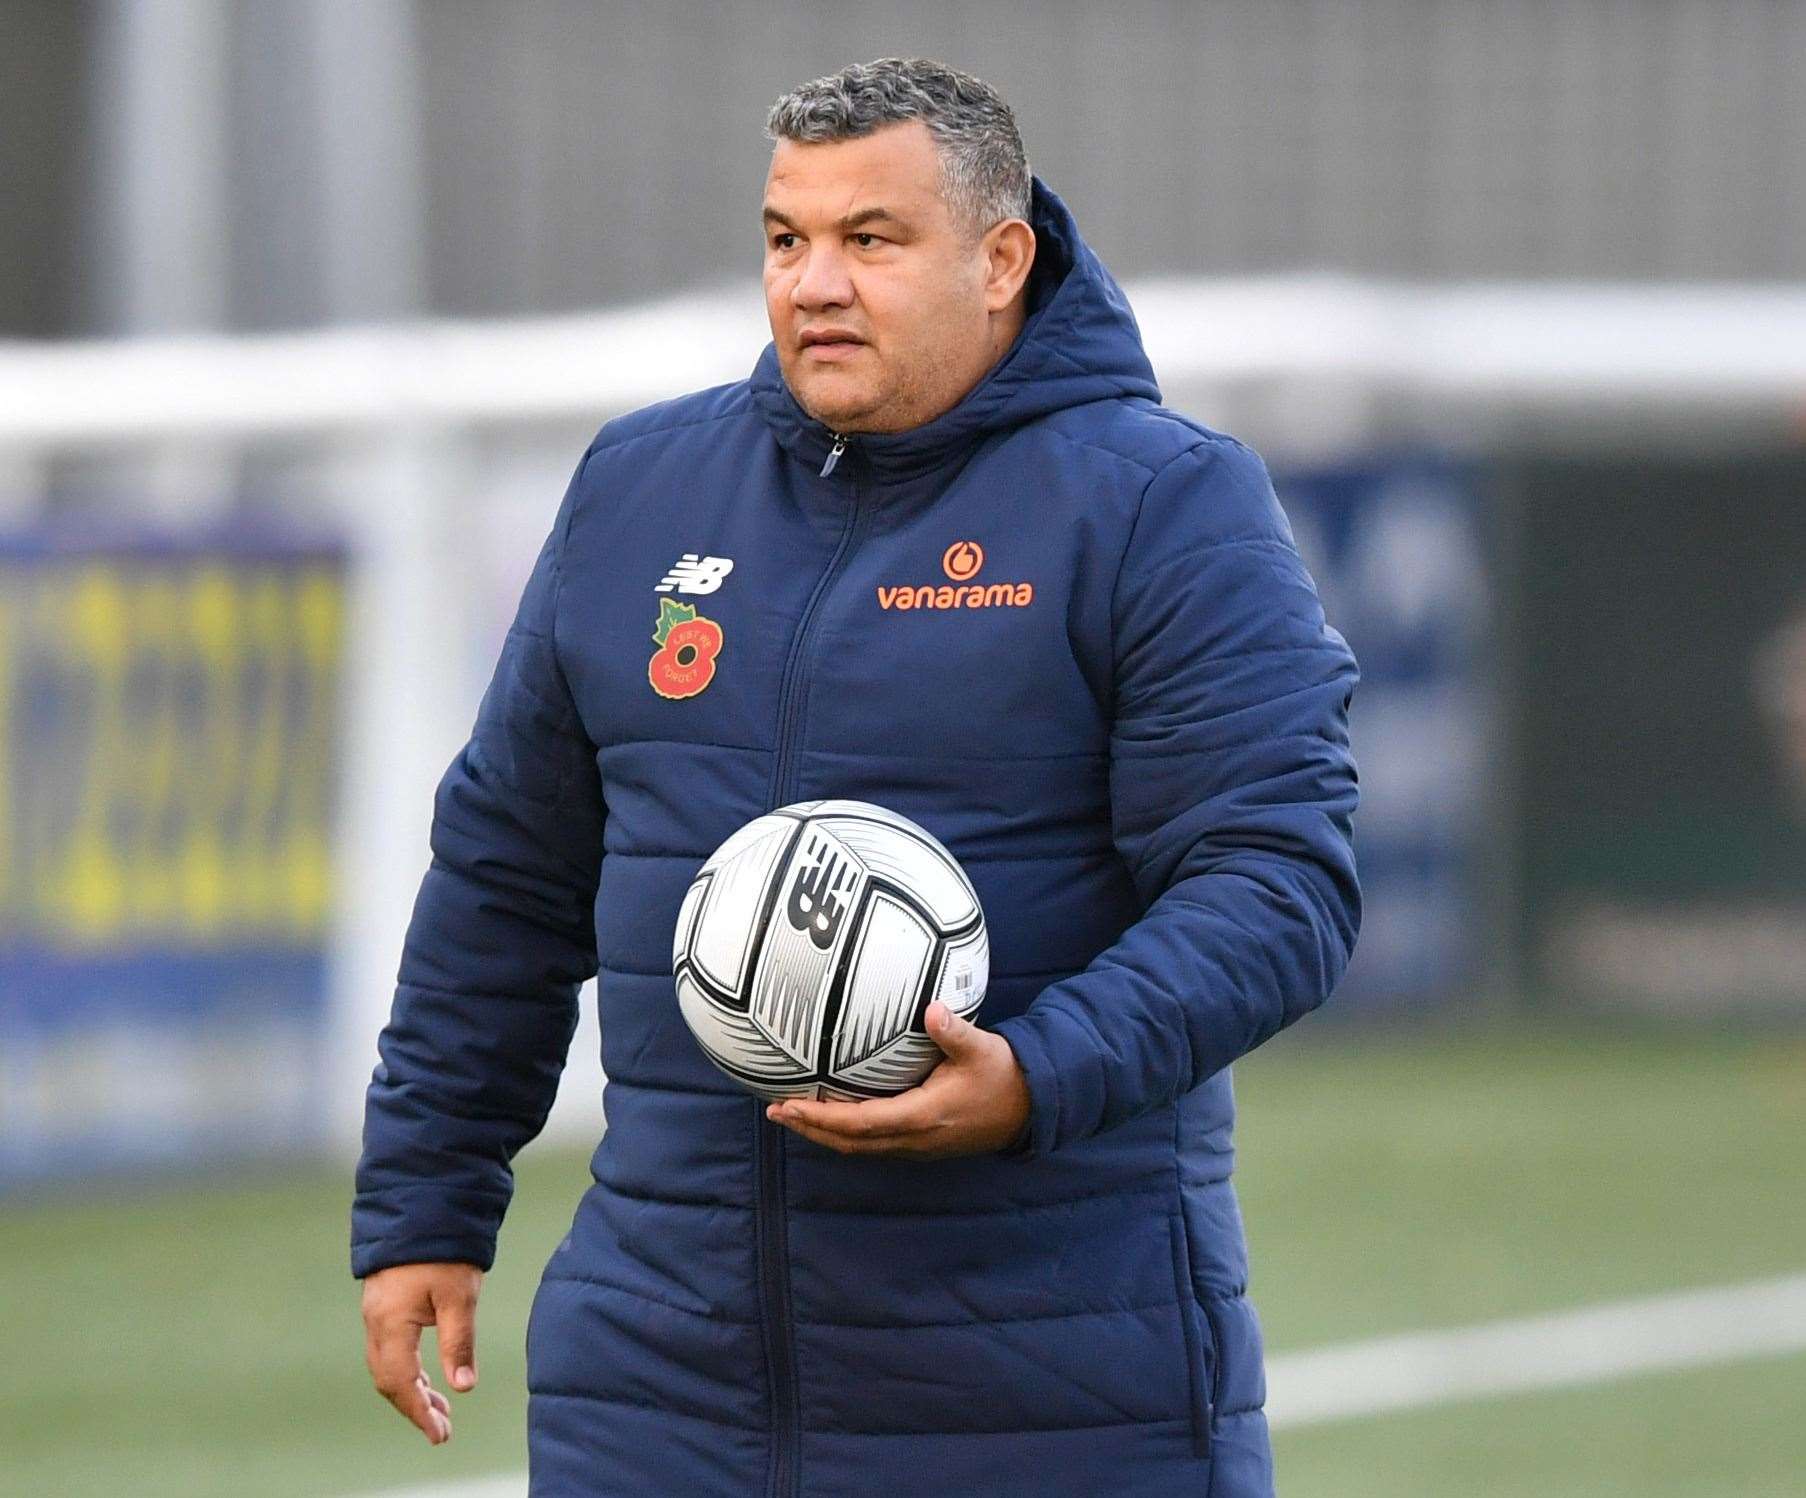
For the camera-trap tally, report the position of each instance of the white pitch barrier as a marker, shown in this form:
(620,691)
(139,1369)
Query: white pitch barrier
(1565,1349)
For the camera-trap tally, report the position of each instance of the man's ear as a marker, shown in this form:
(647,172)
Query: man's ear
(1009,256)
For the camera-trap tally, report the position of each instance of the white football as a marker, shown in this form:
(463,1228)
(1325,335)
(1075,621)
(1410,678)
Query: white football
(811,943)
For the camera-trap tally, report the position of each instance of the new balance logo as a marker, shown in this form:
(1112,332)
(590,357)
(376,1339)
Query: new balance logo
(693,574)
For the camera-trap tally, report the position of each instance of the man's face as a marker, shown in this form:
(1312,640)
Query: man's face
(881,308)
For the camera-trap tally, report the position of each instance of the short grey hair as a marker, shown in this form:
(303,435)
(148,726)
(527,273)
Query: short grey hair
(984,172)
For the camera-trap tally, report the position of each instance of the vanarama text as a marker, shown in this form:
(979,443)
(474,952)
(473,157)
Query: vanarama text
(971,596)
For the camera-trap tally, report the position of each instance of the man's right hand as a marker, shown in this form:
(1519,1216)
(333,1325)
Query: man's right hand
(398,1302)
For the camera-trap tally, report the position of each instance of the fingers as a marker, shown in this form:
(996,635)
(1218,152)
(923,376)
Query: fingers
(908,1124)
(953,1033)
(437,1409)
(913,1146)
(392,1351)
(455,1314)
(878,1118)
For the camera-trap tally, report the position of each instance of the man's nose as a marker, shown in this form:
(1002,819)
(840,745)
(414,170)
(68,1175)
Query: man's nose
(823,280)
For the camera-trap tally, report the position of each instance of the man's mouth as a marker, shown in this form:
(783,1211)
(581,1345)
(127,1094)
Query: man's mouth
(828,342)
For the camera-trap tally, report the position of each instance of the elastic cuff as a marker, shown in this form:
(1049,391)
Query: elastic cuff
(1038,1136)
(367,1258)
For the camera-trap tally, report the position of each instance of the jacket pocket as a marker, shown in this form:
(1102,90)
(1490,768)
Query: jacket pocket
(1200,1342)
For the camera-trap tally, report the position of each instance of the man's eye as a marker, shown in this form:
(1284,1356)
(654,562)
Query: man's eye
(866,241)
(780,241)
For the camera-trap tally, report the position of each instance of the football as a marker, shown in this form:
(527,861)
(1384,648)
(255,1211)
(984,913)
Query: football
(811,943)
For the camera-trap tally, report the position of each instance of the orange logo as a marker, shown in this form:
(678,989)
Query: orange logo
(962,560)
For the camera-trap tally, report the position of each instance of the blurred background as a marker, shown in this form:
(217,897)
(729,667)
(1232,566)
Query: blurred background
(308,308)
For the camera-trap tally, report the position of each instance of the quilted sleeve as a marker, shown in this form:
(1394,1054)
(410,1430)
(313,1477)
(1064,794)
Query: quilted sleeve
(1232,793)
(502,934)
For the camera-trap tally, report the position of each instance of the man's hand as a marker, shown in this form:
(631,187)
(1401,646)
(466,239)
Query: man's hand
(975,1100)
(398,1302)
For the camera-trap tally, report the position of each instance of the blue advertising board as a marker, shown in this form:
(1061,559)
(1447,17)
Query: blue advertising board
(169,722)
(1397,552)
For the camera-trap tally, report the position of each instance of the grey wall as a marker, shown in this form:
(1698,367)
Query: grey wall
(565,153)
(1618,138)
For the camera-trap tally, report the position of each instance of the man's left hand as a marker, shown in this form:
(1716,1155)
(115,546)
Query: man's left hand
(975,1100)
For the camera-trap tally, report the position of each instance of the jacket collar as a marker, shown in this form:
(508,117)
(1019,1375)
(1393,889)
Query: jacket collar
(1079,343)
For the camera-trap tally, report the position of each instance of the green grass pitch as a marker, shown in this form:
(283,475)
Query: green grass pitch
(201,1337)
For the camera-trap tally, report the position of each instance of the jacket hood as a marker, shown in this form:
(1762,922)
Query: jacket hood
(1079,343)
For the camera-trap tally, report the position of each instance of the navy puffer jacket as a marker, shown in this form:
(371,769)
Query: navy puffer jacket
(1134,738)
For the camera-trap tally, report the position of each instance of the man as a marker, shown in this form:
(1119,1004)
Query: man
(1025,1276)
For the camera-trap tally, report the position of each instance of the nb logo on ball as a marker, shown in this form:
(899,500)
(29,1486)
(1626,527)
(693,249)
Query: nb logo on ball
(815,904)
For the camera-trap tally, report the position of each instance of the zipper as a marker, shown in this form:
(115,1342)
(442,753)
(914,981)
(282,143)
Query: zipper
(774,1289)
(768,1138)
(790,684)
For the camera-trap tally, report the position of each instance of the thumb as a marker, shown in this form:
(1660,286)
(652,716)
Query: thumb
(455,1315)
(952,1033)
